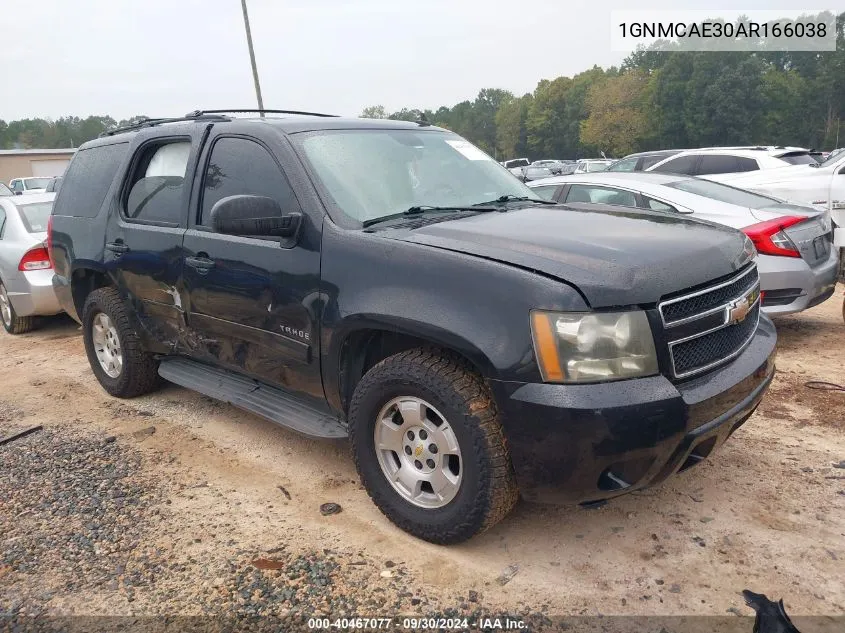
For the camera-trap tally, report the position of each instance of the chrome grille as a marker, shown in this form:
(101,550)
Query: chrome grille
(709,327)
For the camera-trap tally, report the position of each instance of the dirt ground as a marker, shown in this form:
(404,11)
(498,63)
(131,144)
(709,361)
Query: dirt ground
(174,503)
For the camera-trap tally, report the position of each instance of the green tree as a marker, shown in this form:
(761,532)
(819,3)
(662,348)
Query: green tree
(374,112)
(618,119)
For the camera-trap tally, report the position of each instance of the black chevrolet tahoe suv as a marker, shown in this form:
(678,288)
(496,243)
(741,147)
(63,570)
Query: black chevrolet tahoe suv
(389,282)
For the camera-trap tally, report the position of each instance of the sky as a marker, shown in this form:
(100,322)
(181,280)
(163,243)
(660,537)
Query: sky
(168,57)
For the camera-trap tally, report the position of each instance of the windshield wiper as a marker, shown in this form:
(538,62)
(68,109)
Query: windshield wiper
(512,198)
(420,209)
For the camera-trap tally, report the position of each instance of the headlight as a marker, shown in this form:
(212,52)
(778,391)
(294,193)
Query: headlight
(593,346)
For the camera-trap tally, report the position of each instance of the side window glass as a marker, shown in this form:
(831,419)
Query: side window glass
(680,165)
(2,223)
(601,195)
(656,205)
(746,164)
(157,183)
(242,167)
(717,164)
(17,185)
(546,191)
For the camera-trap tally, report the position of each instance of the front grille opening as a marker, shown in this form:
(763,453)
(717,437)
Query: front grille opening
(706,350)
(699,454)
(684,308)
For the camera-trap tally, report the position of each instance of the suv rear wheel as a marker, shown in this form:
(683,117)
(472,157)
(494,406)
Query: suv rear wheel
(11,321)
(114,349)
(429,446)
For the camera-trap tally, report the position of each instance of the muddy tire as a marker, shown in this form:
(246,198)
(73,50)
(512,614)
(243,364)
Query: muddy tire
(12,323)
(114,348)
(432,415)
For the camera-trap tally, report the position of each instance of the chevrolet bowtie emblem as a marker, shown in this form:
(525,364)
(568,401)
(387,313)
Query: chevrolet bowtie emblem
(739,309)
(419,451)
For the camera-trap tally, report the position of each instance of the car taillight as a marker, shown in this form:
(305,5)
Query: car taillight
(35,259)
(770,239)
(50,239)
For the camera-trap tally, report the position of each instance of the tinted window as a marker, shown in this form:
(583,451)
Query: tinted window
(680,165)
(546,191)
(656,205)
(17,185)
(798,158)
(746,164)
(626,164)
(88,179)
(35,216)
(648,161)
(601,195)
(241,167)
(5,191)
(716,164)
(158,180)
(722,193)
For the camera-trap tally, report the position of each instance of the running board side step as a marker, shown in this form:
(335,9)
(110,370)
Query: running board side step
(253,396)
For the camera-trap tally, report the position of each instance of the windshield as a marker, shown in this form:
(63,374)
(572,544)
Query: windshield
(723,193)
(835,156)
(36,183)
(376,173)
(5,191)
(35,216)
(519,162)
(597,166)
(798,159)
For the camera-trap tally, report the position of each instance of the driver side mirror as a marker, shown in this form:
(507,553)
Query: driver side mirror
(257,216)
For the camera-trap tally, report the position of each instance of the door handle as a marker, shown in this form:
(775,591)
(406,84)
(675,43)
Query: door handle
(117,247)
(201,264)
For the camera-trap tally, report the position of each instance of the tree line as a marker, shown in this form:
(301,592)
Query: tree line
(662,97)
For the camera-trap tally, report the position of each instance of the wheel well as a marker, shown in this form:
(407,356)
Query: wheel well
(83,282)
(364,349)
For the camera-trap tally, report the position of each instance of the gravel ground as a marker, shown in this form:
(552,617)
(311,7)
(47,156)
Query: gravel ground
(177,505)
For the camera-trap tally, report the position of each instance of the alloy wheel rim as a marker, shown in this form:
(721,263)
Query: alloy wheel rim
(418,452)
(5,307)
(107,345)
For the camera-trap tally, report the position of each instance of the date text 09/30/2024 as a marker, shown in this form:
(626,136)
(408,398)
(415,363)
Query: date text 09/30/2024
(418,624)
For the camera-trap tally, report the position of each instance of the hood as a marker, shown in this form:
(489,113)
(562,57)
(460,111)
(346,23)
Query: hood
(614,257)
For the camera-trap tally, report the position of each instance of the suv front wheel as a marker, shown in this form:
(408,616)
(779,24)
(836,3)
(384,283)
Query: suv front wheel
(114,349)
(429,446)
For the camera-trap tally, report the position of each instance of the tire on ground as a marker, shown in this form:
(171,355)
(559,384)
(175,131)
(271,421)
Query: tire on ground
(488,490)
(139,374)
(17,325)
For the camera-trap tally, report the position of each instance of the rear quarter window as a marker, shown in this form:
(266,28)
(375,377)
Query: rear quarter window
(87,180)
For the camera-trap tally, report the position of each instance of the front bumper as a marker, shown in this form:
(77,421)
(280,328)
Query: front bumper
(582,443)
(31,294)
(791,285)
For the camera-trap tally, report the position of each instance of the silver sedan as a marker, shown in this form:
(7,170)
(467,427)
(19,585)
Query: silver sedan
(796,259)
(26,274)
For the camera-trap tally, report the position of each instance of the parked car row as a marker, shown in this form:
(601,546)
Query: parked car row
(797,262)
(32,185)
(386,281)
(527,172)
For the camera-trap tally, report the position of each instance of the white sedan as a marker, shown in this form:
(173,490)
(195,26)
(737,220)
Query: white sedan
(798,265)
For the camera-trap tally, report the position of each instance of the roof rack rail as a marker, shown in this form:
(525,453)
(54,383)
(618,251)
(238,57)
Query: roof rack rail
(200,116)
(259,111)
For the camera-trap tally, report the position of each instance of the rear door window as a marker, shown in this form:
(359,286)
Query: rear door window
(657,205)
(600,195)
(746,164)
(157,183)
(88,179)
(680,165)
(717,164)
